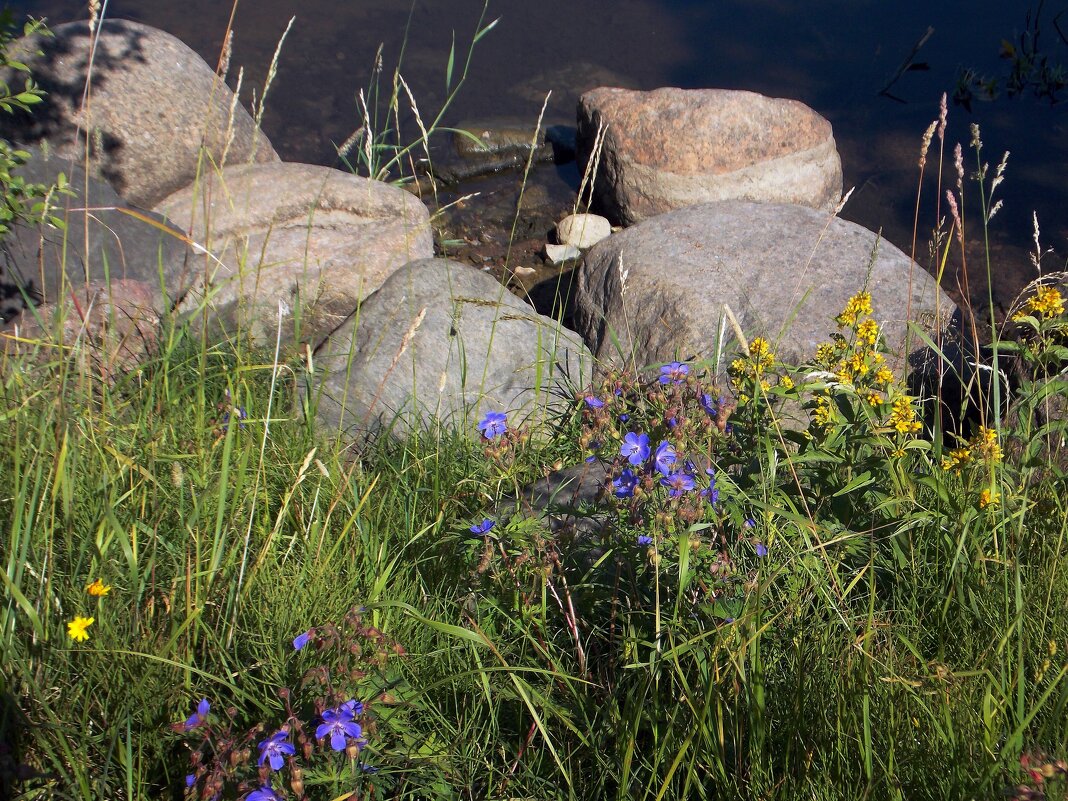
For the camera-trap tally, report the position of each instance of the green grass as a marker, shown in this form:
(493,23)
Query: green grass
(900,637)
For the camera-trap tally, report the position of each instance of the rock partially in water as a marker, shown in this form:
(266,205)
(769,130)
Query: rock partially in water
(441,341)
(558,254)
(670,148)
(582,230)
(154,104)
(309,240)
(785,271)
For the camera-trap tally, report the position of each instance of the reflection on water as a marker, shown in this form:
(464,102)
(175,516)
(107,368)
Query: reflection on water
(834,55)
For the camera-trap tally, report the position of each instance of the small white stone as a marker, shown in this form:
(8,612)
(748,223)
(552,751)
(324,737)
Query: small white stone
(582,230)
(560,253)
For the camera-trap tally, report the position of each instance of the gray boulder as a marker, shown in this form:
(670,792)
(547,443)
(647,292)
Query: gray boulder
(670,148)
(785,271)
(442,341)
(153,104)
(105,240)
(310,240)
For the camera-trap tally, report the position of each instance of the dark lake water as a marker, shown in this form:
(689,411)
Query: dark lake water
(834,55)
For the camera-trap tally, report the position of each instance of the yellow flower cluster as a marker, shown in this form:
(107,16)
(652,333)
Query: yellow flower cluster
(754,367)
(988,498)
(982,447)
(903,416)
(1045,304)
(858,306)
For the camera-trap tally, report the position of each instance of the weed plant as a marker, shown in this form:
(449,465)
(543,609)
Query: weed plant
(204,597)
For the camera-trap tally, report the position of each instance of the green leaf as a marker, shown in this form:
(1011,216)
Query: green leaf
(451,63)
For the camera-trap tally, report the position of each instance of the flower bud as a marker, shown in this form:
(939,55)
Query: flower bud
(352,750)
(296,781)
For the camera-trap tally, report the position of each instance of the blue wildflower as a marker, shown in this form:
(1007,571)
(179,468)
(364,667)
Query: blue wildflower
(624,418)
(749,523)
(275,748)
(635,447)
(493,425)
(674,373)
(198,717)
(594,402)
(761,550)
(625,484)
(482,528)
(338,726)
(678,482)
(301,640)
(709,404)
(190,779)
(265,793)
(353,707)
(644,540)
(665,458)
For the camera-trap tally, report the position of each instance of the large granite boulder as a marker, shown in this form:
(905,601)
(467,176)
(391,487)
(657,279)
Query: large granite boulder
(443,341)
(677,147)
(103,239)
(153,104)
(785,271)
(310,240)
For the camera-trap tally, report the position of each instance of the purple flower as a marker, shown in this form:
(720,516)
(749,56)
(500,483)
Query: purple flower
(301,640)
(353,707)
(709,404)
(623,486)
(749,523)
(679,482)
(635,447)
(190,780)
(710,492)
(665,458)
(493,425)
(482,528)
(761,550)
(624,418)
(338,726)
(194,720)
(594,402)
(644,539)
(674,373)
(274,749)
(265,793)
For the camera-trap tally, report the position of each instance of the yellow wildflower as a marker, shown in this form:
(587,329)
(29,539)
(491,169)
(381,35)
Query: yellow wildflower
(823,414)
(98,589)
(77,629)
(875,399)
(884,376)
(868,332)
(857,364)
(988,498)
(1046,303)
(858,306)
(825,353)
(957,459)
(986,443)
(786,382)
(903,416)
(760,354)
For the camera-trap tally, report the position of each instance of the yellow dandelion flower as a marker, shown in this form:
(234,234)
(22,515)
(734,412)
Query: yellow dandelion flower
(988,498)
(98,589)
(78,629)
